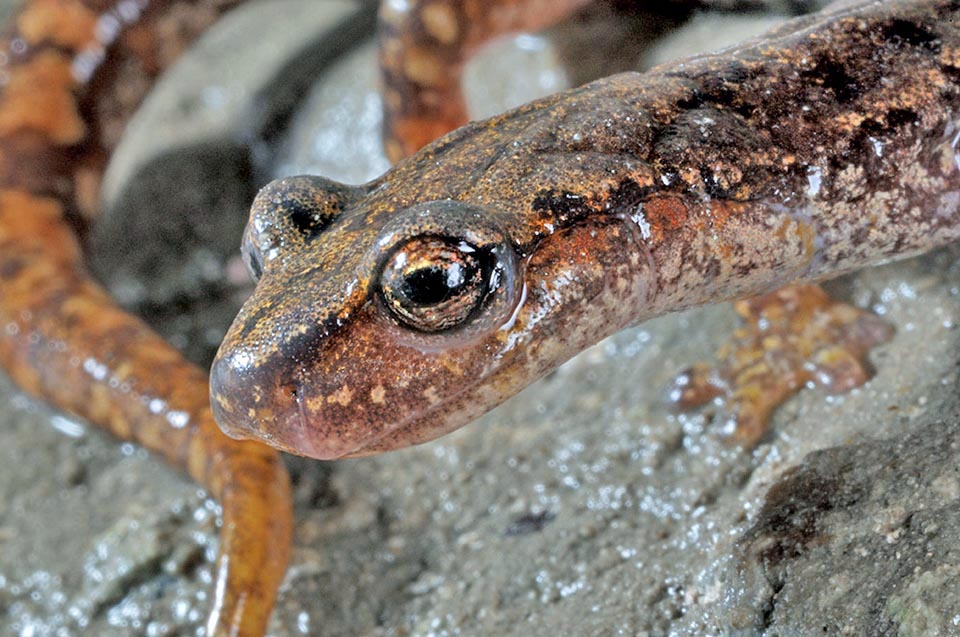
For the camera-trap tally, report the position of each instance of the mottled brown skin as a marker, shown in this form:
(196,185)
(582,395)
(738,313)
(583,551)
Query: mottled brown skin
(62,107)
(425,43)
(821,148)
(824,146)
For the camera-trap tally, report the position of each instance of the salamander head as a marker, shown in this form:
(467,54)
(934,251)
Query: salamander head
(391,313)
(375,325)
(350,330)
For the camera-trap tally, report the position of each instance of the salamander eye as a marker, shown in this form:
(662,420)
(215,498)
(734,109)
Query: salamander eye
(443,274)
(433,284)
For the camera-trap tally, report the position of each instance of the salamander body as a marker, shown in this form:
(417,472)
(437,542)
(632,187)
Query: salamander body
(390,313)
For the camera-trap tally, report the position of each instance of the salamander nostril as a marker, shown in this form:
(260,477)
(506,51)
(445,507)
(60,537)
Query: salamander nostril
(288,214)
(308,223)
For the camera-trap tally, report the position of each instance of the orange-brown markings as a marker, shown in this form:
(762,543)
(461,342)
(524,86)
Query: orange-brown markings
(86,190)
(39,229)
(65,23)
(809,238)
(54,320)
(791,228)
(422,50)
(950,56)
(910,97)
(721,213)
(791,337)
(342,397)
(452,364)
(426,68)
(666,215)
(38,97)
(440,21)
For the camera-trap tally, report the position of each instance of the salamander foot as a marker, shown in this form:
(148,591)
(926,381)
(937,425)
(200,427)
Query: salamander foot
(792,337)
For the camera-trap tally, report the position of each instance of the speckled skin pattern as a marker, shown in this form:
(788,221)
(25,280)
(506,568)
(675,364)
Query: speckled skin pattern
(73,71)
(826,145)
(423,45)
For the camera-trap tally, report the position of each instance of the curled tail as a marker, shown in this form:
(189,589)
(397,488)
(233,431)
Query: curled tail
(61,336)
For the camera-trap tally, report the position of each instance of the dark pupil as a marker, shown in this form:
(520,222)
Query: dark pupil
(435,284)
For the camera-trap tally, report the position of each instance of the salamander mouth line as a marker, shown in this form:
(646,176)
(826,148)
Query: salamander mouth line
(305,440)
(303,429)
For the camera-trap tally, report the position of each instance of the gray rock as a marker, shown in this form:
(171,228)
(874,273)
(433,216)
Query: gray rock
(859,539)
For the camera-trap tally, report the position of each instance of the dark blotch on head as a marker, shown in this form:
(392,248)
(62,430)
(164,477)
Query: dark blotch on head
(899,117)
(288,214)
(724,89)
(832,75)
(310,204)
(867,147)
(894,121)
(305,204)
(628,196)
(901,32)
(567,208)
(309,223)
(695,100)
(715,141)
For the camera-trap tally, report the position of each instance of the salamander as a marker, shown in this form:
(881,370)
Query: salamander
(390,313)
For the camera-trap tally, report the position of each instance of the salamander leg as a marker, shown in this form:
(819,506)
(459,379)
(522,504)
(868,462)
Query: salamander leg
(793,337)
(423,46)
